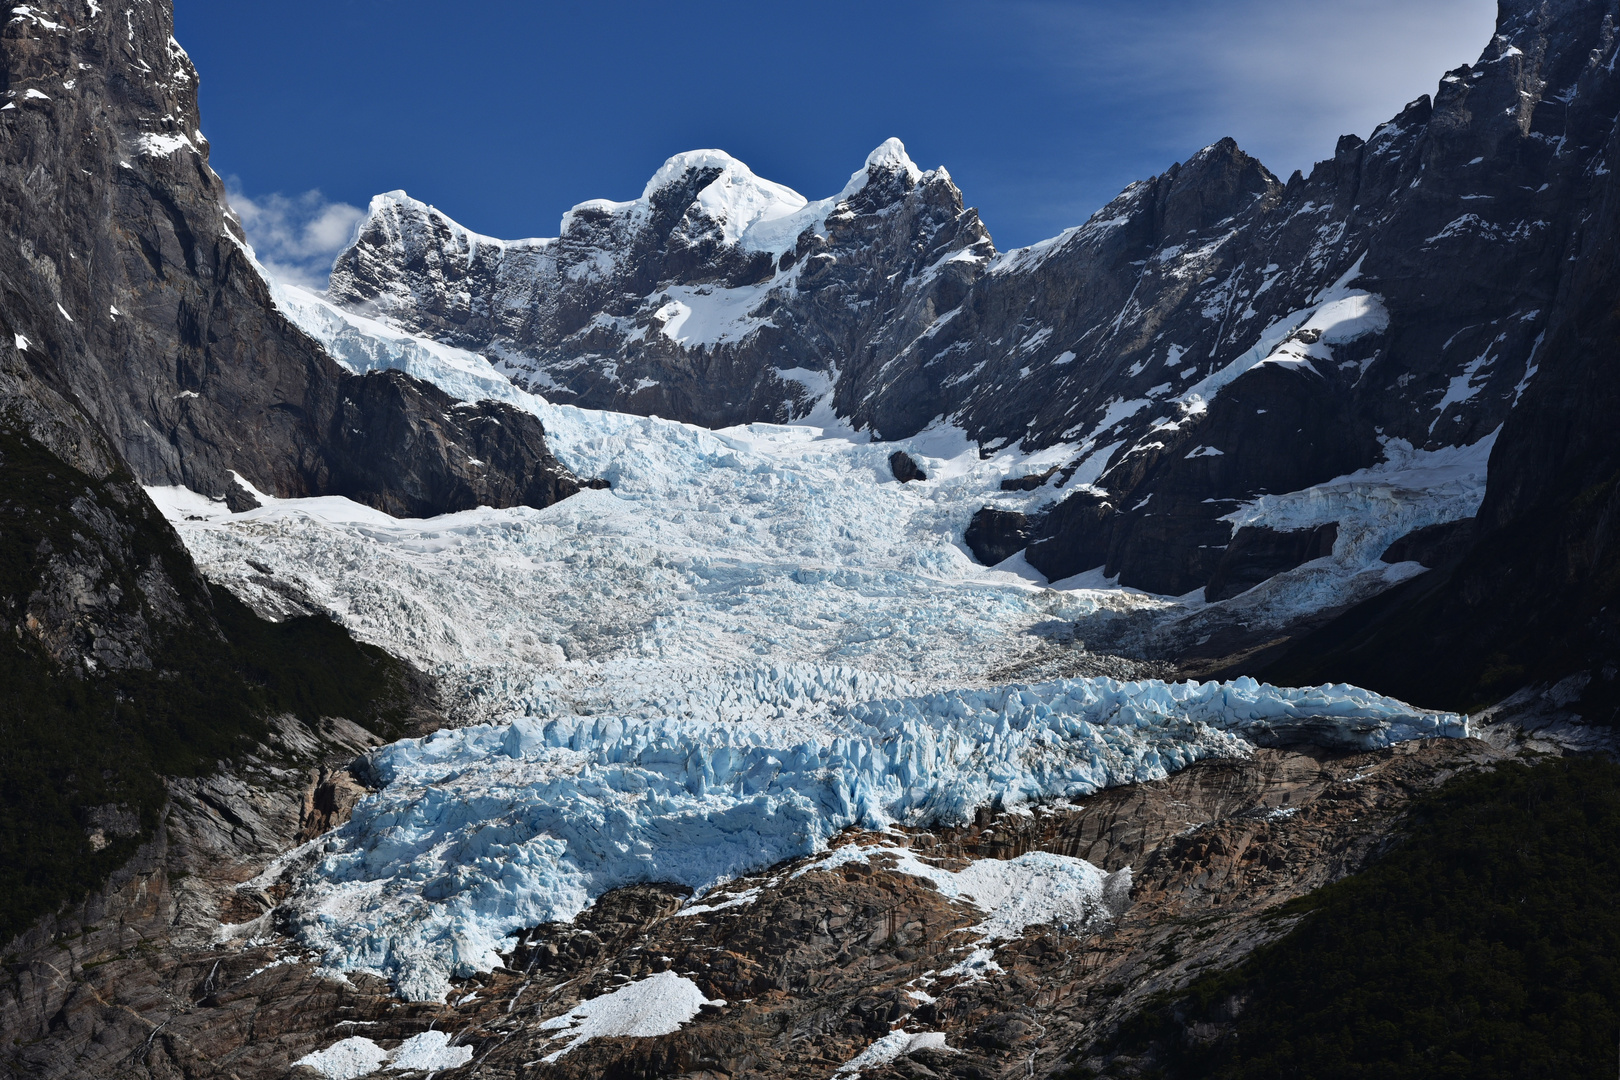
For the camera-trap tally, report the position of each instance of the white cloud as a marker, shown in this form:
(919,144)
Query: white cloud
(295,237)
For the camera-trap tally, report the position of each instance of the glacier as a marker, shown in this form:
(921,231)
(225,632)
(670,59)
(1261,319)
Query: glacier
(754,639)
(480,832)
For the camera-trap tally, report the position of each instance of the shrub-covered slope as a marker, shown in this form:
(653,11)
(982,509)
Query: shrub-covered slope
(1486,946)
(122,667)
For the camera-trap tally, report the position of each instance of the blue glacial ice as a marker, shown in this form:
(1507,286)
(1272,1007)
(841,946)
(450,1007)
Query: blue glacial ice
(482,831)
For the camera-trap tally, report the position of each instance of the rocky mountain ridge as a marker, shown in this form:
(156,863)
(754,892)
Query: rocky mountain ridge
(1211,336)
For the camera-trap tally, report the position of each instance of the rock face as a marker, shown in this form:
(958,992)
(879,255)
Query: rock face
(1212,335)
(994,535)
(905,467)
(1532,598)
(1432,545)
(1258,553)
(125,283)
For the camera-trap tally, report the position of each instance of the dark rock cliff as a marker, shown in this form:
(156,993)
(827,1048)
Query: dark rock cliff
(1535,599)
(124,279)
(138,344)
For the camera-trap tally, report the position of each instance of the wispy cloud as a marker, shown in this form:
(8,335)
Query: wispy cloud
(295,237)
(1287,78)
(1156,80)
(1283,77)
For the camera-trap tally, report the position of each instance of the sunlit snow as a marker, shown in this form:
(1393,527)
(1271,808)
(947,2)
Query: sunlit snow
(656,1005)
(357,1056)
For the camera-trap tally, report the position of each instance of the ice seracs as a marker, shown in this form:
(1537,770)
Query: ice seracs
(478,833)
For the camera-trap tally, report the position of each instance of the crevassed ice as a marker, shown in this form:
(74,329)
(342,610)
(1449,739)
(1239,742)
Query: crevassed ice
(480,832)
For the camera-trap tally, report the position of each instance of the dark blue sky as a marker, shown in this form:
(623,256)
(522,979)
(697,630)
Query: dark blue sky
(505,113)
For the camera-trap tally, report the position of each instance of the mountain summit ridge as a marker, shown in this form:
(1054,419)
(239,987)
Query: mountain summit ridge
(1190,343)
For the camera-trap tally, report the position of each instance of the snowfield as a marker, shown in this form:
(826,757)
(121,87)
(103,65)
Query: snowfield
(755,639)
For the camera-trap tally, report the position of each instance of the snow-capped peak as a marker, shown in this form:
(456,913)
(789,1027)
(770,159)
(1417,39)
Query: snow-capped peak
(755,213)
(399,196)
(749,210)
(394,207)
(733,172)
(889,157)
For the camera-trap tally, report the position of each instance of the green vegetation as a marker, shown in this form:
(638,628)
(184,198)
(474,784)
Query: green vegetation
(81,749)
(1486,946)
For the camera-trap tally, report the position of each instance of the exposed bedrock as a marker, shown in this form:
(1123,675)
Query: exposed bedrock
(994,535)
(1258,553)
(1433,545)
(905,467)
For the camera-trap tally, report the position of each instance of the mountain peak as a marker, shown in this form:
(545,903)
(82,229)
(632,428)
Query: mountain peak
(889,158)
(891,155)
(747,208)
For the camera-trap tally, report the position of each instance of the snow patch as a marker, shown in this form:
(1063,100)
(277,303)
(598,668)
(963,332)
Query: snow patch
(163,145)
(359,1056)
(429,1051)
(1340,315)
(892,1047)
(349,1059)
(657,1005)
(701,315)
(1035,889)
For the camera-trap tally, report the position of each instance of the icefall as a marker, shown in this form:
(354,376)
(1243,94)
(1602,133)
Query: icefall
(480,832)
